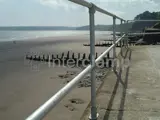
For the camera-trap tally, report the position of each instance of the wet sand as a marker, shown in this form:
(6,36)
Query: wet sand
(25,85)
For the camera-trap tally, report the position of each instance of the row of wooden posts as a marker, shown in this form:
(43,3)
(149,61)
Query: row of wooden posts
(105,44)
(108,39)
(79,59)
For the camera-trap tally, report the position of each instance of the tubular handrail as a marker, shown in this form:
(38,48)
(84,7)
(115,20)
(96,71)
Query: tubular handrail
(149,33)
(109,49)
(43,110)
(89,5)
(82,2)
(54,100)
(143,20)
(107,13)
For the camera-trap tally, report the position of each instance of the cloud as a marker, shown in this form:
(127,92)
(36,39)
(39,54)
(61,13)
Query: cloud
(157,1)
(118,7)
(60,4)
(122,2)
(126,9)
(55,3)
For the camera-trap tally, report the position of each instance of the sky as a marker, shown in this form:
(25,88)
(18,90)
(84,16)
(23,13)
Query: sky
(66,13)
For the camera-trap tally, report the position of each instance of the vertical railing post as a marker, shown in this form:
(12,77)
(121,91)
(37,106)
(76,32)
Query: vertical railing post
(127,37)
(121,33)
(92,59)
(114,42)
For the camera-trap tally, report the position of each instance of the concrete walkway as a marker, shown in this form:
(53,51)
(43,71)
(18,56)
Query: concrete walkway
(135,95)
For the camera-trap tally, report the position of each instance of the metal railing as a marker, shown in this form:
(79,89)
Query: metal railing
(43,110)
(143,20)
(150,33)
(90,5)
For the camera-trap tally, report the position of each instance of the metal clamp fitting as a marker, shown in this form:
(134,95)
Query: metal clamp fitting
(92,9)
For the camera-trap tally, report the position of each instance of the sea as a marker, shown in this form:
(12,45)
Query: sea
(25,35)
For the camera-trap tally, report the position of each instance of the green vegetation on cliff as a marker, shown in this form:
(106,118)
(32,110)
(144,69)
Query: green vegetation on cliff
(139,26)
(148,15)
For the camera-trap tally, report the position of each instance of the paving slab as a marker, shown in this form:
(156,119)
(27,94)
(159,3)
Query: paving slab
(132,94)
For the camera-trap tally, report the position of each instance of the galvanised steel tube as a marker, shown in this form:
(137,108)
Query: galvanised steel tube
(143,20)
(82,2)
(114,41)
(43,110)
(150,33)
(107,13)
(92,59)
(108,50)
(127,38)
(121,33)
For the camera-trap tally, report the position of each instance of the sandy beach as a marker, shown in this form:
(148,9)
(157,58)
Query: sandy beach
(25,85)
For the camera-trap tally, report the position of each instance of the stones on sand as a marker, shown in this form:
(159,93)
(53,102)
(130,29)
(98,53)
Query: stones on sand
(76,101)
(67,75)
(86,82)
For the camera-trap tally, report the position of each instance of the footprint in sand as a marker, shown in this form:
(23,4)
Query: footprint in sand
(70,107)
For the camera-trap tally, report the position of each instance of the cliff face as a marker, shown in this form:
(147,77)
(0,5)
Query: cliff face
(153,38)
(139,26)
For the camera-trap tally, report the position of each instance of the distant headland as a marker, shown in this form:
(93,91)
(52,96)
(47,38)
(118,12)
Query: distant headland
(131,26)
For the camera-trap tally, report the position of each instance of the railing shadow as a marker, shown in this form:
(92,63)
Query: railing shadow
(124,56)
(125,83)
(121,109)
(118,74)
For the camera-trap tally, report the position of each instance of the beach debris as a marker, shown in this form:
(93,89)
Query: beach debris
(67,74)
(76,101)
(86,82)
(63,76)
(71,72)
